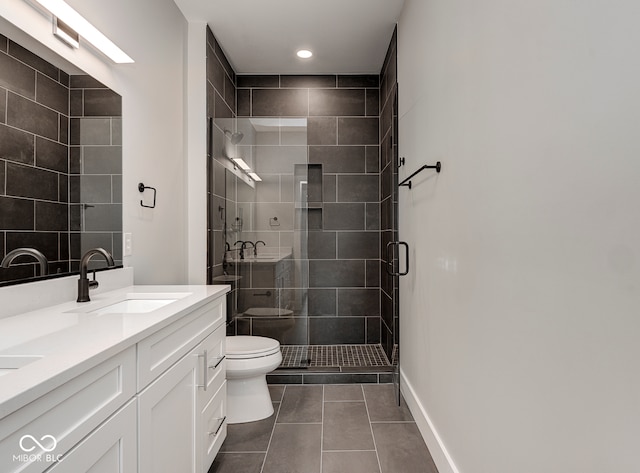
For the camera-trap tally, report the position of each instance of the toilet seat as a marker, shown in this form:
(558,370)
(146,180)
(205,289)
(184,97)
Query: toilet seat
(267,312)
(244,347)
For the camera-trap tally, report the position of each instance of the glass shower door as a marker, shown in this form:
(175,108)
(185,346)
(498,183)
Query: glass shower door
(396,273)
(268,192)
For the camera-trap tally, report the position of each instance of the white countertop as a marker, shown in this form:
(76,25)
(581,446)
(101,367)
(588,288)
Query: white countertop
(70,339)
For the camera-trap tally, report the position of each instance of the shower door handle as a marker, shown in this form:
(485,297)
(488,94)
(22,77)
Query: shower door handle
(390,254)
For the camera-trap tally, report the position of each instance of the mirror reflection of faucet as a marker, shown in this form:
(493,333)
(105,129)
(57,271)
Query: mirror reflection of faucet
(13,254)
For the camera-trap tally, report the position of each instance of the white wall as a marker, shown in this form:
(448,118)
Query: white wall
(520,322)
(153,32)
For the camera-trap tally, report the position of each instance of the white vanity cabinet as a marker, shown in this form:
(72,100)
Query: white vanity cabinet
(167,418)
(211,399)
(182,411)
(111,448)
(158,405)
(67,414)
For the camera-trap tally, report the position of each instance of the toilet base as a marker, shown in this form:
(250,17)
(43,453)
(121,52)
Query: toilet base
(248,399)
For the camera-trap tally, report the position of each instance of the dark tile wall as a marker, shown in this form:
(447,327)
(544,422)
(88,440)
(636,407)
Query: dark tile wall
(95,161)
(388,195)
(350,122)
(43,112)
(343,244)
(34,117)
(221,188)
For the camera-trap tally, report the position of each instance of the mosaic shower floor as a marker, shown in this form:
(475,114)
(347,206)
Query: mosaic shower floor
(333,356)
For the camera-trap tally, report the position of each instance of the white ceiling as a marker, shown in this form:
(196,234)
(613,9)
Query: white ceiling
(262,36)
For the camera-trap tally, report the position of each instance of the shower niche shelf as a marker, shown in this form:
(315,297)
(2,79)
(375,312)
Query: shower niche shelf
(309,194)
(314,184)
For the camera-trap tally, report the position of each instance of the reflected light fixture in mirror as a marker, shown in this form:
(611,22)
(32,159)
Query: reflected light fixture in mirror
(65,33)
(75,21)
(241,163)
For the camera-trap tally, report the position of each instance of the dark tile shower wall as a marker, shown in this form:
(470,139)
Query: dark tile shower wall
(350,120)
(388,196)
(34,167)
(221,107)
(344,226)
(45,115)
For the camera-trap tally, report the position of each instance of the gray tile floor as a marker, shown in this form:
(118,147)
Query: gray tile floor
(328,429)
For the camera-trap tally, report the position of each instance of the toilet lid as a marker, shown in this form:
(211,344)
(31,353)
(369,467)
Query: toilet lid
(243,346)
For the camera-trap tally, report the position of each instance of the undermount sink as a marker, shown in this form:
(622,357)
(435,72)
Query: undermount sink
(133,306)
(135,303)
(10,363)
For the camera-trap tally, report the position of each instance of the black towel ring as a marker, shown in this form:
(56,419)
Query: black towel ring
(142,188)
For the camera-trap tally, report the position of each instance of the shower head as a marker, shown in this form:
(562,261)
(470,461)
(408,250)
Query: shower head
(234,137)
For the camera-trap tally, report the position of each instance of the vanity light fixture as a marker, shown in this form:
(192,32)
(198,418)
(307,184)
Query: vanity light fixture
(76,22)
(304,54)
(254,176)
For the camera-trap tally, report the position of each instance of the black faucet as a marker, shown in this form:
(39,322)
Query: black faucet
(83,283)
(241,248)
(255,247)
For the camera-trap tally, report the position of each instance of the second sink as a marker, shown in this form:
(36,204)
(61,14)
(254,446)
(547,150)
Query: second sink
(9,363)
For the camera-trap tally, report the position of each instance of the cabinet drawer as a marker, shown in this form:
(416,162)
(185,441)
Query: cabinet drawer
(111,448)
(215,372)
(161,350)
(215,426)
(61,418)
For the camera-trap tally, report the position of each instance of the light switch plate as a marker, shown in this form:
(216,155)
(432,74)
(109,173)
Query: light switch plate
(127,244)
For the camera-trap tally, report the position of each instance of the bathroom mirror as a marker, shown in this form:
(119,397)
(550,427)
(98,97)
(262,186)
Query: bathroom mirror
(60,164)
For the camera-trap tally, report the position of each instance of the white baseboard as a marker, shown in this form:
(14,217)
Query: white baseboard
(438,451)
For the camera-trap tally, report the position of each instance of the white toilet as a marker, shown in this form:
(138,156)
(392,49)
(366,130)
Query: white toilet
(249,359)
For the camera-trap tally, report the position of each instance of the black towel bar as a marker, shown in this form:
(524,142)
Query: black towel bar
(407,181)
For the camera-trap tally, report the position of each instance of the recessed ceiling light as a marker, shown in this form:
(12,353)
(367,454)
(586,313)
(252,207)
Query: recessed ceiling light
(304,53)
